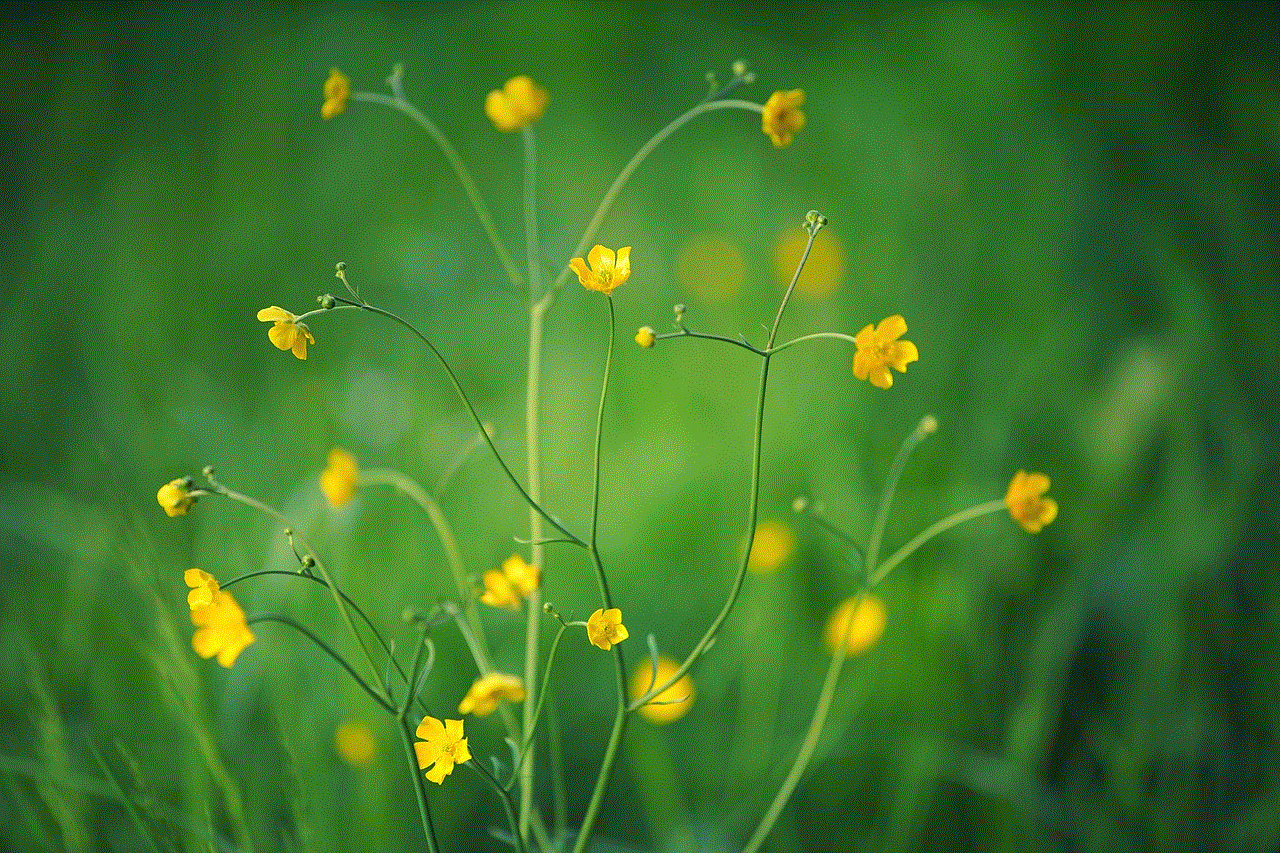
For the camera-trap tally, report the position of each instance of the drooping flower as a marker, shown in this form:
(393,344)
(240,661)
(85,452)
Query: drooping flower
(646,337)
(669,705)
(287,333)
(203,586)
(879,349)
(782,118)
(482,698)
(773,545)
(506,586)
(441,744)
(517,105)
(221,629)
(607,270)
(1026,502)
(355,743)
(175,497)
(604,628)
(337,91)
(340,478)
(868,624)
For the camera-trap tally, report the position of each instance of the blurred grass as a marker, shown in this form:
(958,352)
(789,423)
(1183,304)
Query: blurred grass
(1074,207)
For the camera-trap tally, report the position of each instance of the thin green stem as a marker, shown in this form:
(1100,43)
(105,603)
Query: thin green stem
(459,169)
(419,786)
(534,271)
(285,620)
(931,531)
(910,443)
(840,336)
(505,797)
(685,333)
(531,728)
(595,485)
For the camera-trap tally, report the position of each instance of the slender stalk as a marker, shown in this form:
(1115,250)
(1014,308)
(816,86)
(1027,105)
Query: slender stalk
(931,531)
(840,336)
(505,797)
(910,443)
(606,773)
(285,620)
(530,729)
(685,333)
(419,786)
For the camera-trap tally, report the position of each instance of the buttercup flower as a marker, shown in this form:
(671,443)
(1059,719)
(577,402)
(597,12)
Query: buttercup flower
(338,481)
(287,333)
(607,271)
(773,545)
(879,349)
(1026,502)
(443,745)
(519,104)
(175,497)
(515,580)
(868,625)
(646,337)
(203,586)
(337,90)
(605,628)
(782,118)
(678,695)
(355,744)
(482,698)
(220,629)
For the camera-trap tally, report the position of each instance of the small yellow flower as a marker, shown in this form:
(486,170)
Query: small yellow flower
(868,625)
(355,744)
(515,580)
(678,697)
(221,629)
(287,333)
(482,698)
(646,337)
(1026,502)
(337,90)
(203,586)
(442,745)
(605,628)
(782,118)
(607,272)
(879,349)
(773,545)
(338,481)
(517,105)
(175,497)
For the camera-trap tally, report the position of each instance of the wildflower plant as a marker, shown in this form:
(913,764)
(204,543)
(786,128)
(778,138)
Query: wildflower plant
(662,688)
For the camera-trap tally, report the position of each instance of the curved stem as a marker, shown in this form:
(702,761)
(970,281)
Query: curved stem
(419,785)
(531,727)
(685,333)
(930,532)
(537,553)
(595,486)
(505,796)
(910,443)
(459,169)
(285,620)
(840,336)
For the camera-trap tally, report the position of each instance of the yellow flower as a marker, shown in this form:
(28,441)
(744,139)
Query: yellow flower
(679,696)
(519,104)
(221,629)
(287,333)
(607,272)
(338,481)
(175,497)
(442,745)
(782,118)
(355,744)
(868,625)
(337,90)
(482,698)
(773,545)
(1026,502)
(505,587)
(203,586)
(605,628)
(879,349)
(646,337)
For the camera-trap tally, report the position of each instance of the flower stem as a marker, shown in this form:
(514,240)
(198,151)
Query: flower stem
(537,712)
(840,336)
(285,620)
(505,796)
(420,785)
(910,443)
(931,531)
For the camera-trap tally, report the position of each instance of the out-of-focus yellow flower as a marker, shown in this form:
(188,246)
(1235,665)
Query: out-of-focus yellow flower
(203,586)
(1026,502)
(221,629)
(506,586)
(287,333)
(441,744)
(175,497)
(482,698)
(340,478)
(711,268)
(678,697)
(607,271)
(355,743)
(868,625)
(517,105)
(823,271)
(646,337)
(773,545)
(604,628)
(879,349)
(782,118)
(337,91)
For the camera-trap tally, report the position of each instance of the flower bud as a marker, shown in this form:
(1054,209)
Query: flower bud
(645,337)
(327,301)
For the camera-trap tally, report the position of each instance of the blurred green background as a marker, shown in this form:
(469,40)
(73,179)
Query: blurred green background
(1075,207)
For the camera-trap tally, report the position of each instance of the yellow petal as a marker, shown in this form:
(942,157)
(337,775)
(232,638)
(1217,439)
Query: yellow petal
(274,314)
(197,578)
(623,265)
(442,768)
(1048,511)
(866,338)
(580,267)
(300,338)
(904,353)
(282,335)
(461,753)
(430,729)
(861,365)
(891,328)
(426,754)
(600,258)
(881,377)
(1035,483)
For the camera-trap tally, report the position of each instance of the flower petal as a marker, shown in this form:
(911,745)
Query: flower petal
(866,338)
(623,265)
(881,377)
(600,258)
(904,352)
(282,335)
(580,267)
(444,766)
(891,328)
(274,314)
(861,365)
